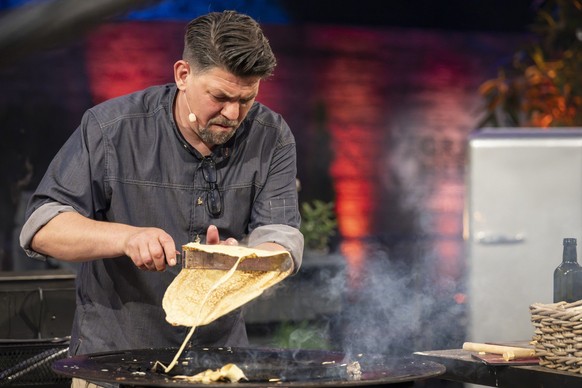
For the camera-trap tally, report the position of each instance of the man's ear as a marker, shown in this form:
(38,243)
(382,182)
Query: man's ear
(181,72)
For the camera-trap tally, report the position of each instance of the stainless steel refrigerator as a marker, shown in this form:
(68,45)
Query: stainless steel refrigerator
(524,195)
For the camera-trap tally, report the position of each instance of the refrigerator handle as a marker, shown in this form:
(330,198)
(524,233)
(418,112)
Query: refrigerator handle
(487,238)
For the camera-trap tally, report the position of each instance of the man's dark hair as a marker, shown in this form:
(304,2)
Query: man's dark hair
(231,41)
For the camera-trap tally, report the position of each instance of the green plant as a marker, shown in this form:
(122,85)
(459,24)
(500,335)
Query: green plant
(543,87)
(318,224)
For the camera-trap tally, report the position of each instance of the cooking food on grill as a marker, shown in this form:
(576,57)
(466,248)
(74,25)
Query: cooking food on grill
(204,290)
(229,372)
(214,281)
(354,370)
(263,367)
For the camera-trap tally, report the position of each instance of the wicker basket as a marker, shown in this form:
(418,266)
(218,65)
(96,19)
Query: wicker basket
(558,335)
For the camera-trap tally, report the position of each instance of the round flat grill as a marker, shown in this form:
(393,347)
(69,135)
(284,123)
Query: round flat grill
(262,367)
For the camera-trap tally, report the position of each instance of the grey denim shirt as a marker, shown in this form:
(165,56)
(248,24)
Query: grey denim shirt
(128,163)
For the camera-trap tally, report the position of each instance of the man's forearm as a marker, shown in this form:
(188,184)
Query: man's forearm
(72,237)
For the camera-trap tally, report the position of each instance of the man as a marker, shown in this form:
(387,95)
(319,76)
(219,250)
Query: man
(198,160)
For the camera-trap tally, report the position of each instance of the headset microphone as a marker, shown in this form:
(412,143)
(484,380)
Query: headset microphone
(191,116)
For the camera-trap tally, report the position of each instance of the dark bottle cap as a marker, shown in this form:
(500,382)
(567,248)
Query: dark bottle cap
(570,241)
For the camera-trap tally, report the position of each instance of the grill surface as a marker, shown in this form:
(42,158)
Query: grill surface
(289,367)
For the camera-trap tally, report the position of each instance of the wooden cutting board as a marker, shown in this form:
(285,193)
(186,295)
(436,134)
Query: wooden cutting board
(497,359)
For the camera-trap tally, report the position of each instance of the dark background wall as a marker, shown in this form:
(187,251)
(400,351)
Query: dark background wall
(380,95)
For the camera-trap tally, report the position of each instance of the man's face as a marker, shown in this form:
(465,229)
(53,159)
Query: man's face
(220,101)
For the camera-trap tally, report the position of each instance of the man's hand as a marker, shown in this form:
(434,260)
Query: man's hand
(150,249)
(212,237)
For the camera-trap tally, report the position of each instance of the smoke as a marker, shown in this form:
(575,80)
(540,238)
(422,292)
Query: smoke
(398,305)
(396,309)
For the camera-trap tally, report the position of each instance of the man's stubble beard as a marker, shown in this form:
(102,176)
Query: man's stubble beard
(209,136)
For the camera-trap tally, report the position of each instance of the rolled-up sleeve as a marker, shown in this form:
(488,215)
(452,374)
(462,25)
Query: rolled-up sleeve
(275,214)
(39,218)
(73,182)
(287,236)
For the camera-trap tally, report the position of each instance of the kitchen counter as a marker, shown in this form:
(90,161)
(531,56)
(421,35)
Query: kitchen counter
(462,367)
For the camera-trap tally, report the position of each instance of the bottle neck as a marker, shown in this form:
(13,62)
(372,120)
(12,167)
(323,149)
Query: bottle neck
(569,255)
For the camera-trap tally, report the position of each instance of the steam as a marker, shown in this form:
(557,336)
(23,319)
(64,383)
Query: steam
(395,310)
(398,304)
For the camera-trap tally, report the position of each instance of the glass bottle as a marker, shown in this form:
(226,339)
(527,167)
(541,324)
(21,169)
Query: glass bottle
(568,275)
